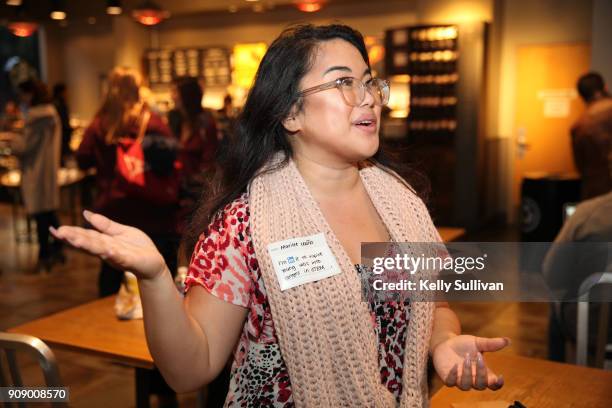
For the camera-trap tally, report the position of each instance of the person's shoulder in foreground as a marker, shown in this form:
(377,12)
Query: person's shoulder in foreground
(590,221)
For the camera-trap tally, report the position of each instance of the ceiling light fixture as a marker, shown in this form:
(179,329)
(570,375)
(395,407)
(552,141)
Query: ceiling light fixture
(58,12)
(58,15)
(309,6)
(13,2)
(150,14)
(113,7)
(22,28)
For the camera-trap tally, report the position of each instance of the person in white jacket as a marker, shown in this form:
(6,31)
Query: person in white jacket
(38,148)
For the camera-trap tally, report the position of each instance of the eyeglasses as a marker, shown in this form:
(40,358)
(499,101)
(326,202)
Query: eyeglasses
(354,91)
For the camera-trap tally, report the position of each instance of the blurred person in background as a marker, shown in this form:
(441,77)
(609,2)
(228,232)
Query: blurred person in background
(194,126)
(567,266)
(10,119)
(38,150)
(59,100)
(592,137)
(121,116)
(196,130)
(226,119)
(226,116)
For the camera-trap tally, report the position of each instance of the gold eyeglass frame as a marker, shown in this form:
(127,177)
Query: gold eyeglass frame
(338,83)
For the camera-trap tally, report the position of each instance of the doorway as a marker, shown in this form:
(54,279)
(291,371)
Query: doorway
(547,104)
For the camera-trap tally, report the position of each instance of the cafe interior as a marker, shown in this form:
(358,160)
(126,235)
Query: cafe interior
(483,102)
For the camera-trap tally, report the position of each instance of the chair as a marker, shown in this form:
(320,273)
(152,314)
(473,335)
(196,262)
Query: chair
(12,343)
(582,324)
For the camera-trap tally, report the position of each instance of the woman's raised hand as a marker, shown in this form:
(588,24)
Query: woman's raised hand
(126,248)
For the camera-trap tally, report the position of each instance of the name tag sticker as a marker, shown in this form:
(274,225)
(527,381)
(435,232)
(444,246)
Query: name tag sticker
(302,260)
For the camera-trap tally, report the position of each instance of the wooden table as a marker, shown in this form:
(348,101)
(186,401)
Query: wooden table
(537,383)
(93,329)
(449,234)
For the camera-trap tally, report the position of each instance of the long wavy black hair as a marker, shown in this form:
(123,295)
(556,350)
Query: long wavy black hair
(259,132)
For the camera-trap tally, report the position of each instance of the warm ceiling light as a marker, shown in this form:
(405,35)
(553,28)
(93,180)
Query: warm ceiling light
(113,7)
(58,12)
(309,6)
(22,28)
(58,15)
(150,14)
(13,2)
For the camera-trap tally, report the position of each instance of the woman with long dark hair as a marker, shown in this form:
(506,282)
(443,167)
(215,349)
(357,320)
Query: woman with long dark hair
(306,168)
(193,126)
(196,131)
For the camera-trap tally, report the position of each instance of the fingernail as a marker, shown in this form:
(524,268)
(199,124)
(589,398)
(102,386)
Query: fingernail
(53,230)
(468,359)
(86,213)
(500,380)
(508,341)
(479,359)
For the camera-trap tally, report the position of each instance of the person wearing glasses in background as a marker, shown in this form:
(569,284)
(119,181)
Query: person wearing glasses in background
(306,161)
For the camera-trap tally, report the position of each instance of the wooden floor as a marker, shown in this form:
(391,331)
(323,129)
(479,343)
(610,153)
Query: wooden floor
(95,382)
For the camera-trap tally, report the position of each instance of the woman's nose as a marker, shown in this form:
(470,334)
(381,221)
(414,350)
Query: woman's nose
(368,99)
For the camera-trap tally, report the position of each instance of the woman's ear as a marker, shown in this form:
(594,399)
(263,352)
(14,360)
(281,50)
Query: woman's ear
(292,122)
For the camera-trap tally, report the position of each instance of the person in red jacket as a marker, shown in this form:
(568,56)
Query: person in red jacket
(119,116)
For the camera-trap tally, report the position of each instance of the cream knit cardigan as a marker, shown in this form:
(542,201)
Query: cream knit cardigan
(324,328)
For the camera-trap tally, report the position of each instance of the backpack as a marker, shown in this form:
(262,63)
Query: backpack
(146,167)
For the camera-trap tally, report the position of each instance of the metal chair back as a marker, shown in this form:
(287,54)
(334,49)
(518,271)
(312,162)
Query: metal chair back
(582,325)
(11,344)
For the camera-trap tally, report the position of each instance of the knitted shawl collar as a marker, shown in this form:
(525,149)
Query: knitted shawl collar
(324,328)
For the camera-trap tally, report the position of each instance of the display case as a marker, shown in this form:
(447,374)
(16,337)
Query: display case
(432,66)
(445,65)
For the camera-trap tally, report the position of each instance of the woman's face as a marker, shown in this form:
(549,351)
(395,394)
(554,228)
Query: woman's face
(328,129)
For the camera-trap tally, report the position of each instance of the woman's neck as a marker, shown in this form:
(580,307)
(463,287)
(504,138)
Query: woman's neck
(327,180)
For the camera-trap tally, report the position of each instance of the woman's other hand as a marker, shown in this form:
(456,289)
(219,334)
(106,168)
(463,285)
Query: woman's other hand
(459,362)
(124,247)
